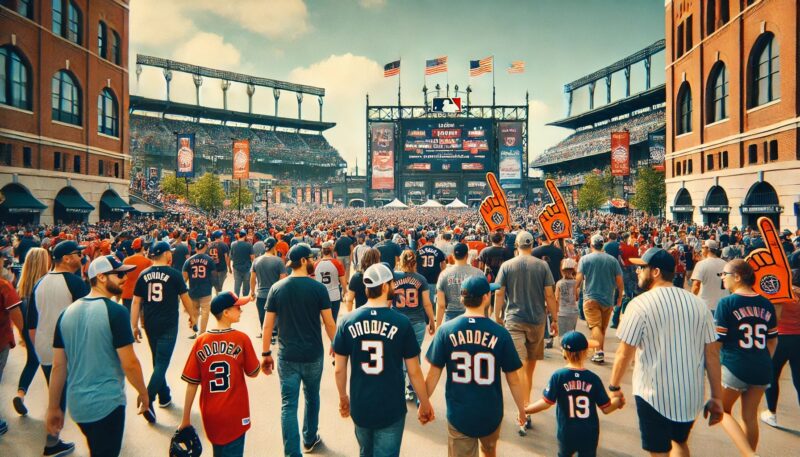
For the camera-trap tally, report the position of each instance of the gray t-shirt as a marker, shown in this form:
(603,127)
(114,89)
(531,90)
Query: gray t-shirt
(268,270)
(240,255)
(565,291)
(600,272)
(450,283)
(524,278)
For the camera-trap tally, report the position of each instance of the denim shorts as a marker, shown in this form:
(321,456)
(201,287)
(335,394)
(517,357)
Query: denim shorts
(730,381)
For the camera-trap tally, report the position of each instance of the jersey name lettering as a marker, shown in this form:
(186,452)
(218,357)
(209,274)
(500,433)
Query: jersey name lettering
(478,337)
(752,311)
(577,384)
(372,327)
(218,348)
(156,276)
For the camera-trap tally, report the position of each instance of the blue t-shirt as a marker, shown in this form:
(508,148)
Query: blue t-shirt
(389,251)
(577,394)
(409,289)
(200,268)
(600,272)
(298,302)
(744,324)
(90,331)
(429,262)
(377,340)
(475,350)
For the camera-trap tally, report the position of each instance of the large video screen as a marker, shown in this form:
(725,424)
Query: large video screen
(446,145)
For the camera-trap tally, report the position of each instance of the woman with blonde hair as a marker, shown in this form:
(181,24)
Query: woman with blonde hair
(37,264)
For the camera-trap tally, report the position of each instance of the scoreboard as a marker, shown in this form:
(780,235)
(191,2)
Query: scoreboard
(446,145)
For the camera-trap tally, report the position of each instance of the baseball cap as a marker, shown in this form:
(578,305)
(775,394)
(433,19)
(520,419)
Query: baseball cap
(377,274)
(711,244)
(270,243)
(477,286)
(524,238)
(200,243)
(299,251)
(460,250)
(159,248)
(107,264)
(243,233)
(216,234)
(575,341)
(65,248)
(227,300)
(656,258)
(569,263)
(137,244)
(327,244)
(597,240)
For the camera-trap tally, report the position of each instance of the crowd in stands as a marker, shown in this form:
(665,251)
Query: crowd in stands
(597,140)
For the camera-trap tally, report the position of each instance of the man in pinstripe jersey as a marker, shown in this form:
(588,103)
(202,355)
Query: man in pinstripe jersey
(672,334)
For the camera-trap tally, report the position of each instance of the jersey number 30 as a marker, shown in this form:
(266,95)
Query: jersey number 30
(478,368)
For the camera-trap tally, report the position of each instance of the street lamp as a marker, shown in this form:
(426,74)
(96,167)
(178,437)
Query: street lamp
(267,197)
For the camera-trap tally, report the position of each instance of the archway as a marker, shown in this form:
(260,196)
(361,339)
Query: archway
(761,200)
(716,209)
(19,206)
(682,210)
(356,203)
(113,207)
(69,206)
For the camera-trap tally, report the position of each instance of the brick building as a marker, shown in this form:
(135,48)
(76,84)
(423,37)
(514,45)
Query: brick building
(63,110)
(733,117)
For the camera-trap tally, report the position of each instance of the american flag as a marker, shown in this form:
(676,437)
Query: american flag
(479,67)
(437,65)
(517,66)
(391,69)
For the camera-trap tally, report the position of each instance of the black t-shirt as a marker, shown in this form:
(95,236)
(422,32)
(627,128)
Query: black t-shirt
(389,251)
(342,246)
(160,287)
(429,262)
(493,257)
(359,289)
(180,252)
(298,302)
(554,256)
(217,251)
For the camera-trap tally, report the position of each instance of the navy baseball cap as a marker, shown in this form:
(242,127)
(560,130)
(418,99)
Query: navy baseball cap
(656,258)
(460,250)
(227,300)
(242,232)
(216,234)
(575,341)
(299,251)
(270,243)
(477,286)
(66,248)
(159,248)
(200,243)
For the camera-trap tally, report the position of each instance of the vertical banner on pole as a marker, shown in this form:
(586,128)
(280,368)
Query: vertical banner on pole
(308,194)
(324,197)
(382,147)
(299,195)
(185,159)
(241,159)
(277,196)
(510,145)
(330,196)
(620,154)
(657,151)
(316,195)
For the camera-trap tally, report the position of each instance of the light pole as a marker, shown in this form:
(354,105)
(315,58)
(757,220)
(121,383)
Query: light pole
(267,196)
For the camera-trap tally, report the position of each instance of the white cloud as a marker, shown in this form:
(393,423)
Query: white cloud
(347,79)
(276,19)
(209,50)
(370,4)
(158,23)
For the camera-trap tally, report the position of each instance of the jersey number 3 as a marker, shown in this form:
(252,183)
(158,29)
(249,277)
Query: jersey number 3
(222,377)
(375,364)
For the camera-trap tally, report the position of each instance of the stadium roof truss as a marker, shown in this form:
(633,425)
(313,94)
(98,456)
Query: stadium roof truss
(394,113)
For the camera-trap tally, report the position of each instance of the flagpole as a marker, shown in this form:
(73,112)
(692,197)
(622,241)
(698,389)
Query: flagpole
(399,75)
(493,90)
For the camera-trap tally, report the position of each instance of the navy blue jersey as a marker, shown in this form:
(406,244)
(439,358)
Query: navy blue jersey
(159,288)
(475,350)
(199,267)
(217,251)
(744,324)
(409,289)
(429,262)
(577,394)
(377,340)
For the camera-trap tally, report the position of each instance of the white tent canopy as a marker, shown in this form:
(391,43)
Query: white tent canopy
(395,204)
(431,204)
(456,204)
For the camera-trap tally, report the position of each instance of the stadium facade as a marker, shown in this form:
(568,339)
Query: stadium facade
(63,110)
(732,111)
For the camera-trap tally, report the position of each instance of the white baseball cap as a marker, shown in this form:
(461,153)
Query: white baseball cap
(107,264)
(569,263)
(377,274)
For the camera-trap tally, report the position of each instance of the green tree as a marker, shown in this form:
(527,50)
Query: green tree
(596,190)
(172,185)
(207,192)
(651,191)
(233,196)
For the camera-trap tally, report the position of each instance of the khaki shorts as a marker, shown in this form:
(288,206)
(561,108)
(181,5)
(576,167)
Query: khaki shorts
(596,314)
(528,340)
(461,445)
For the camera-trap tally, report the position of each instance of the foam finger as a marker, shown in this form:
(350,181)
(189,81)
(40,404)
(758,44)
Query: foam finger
(553,191)
(494,185)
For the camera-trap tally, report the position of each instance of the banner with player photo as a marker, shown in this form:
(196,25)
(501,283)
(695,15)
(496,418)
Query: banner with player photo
(382,146)
(510,142)
(241,159)
(308,194)
(657,150)
(620,154)
(299,195)
(184,167)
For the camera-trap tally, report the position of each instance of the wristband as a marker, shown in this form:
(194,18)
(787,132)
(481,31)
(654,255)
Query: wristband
(266,354)
(614,388)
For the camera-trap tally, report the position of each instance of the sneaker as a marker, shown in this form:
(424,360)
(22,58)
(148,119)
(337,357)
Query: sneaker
(193,336)
(528,423)
(19,406)
(522,431)
(769,418)
(599,358)
(3,427)
(410,395)
(310,447)
(549,344)
(165,404)
(150,415)
(274,339)
(59,450)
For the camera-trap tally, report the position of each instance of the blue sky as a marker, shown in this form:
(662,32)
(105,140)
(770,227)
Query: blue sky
(342,45)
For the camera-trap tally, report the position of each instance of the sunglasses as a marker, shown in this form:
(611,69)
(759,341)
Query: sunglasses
(640,269)
(118,274)
(722,274)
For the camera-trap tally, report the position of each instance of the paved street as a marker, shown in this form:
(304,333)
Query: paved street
(619,431)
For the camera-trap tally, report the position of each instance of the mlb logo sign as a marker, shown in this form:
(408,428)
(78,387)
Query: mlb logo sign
(446,105)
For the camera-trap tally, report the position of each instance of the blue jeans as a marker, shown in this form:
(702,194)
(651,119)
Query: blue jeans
(450,315)
(31,359)
(241,282)
(233,449)
(47,369)
(291,375)
(419,332)
(381,442)
(161,347)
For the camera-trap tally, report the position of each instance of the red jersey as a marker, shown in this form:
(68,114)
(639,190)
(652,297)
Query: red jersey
(218,362)
(789,322)
(626,252)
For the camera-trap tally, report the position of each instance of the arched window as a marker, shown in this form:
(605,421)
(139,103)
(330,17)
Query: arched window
(116,49)
(22,7)
(67,20)
(684,112)
(711,17)
(764,71)
(107,113)
(102,40)
(15,85)
(717,94)
(66,98)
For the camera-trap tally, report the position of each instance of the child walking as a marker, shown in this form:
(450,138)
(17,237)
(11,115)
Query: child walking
(565,297)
